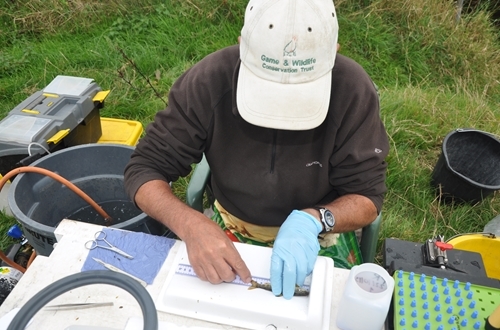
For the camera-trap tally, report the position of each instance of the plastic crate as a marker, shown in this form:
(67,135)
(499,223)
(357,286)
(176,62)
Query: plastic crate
(120,131)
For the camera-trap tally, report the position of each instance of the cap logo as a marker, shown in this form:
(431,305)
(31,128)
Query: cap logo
(290,48)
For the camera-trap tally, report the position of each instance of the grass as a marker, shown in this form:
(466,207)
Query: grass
(435,74)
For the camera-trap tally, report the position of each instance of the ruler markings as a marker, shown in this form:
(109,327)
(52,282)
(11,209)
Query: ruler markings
(185,269)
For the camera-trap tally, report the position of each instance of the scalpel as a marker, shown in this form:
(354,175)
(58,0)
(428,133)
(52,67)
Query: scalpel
(118,270)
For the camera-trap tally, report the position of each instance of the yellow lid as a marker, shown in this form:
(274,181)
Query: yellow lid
(488,247)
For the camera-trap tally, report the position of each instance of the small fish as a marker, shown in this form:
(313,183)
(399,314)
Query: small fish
(299,291)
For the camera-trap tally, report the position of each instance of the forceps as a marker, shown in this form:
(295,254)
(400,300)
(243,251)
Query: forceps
(77,306)
(101,236)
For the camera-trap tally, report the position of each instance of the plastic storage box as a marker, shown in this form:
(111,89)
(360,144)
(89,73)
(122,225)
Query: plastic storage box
(65,113)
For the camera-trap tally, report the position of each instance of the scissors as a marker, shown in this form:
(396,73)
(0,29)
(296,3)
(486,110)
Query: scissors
(101,236)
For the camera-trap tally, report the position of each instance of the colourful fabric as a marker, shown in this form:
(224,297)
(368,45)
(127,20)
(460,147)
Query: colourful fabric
(342,248)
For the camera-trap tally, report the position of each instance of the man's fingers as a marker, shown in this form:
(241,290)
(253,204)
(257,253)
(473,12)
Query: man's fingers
(225,272)
(289,278)
(239,267)
(220,274)
(217,270)
(302,270)
(214,275)
(276,274)
(198,270)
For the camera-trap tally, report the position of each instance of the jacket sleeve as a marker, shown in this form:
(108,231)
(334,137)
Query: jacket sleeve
(177,137)
(358,161)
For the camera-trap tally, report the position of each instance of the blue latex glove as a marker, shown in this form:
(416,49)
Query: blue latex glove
(294,252)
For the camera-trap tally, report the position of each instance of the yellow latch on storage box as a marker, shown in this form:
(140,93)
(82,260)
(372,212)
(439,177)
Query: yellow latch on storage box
(56,138)
(101,96)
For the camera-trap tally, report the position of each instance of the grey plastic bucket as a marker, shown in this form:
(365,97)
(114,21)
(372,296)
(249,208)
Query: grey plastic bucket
(39,202)
(468,169)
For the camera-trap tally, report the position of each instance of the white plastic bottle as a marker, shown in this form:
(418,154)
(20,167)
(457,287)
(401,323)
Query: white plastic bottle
(366,299)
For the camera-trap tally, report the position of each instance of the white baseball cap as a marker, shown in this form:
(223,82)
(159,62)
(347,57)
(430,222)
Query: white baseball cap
(287,52)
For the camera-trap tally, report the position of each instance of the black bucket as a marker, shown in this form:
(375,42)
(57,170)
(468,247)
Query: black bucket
(39,202)
(468,169)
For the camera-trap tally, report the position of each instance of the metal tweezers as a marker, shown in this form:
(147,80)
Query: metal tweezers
(77,306)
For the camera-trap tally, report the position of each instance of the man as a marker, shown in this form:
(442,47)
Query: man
(292,133)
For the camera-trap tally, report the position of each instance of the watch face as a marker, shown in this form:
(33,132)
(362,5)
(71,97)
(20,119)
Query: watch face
(329,219)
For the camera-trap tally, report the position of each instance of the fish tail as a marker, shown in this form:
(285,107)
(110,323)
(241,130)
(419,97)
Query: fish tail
(301,293)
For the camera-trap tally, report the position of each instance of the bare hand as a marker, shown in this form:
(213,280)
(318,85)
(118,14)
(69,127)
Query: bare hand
(212,254)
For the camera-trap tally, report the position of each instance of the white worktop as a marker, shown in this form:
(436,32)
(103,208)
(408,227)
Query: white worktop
(68,257)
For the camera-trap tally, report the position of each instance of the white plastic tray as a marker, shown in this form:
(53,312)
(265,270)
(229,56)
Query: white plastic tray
(233,304)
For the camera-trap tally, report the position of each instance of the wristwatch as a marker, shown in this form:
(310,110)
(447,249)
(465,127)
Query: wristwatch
(327,218)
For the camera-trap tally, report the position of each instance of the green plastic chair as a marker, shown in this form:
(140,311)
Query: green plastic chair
(198,186)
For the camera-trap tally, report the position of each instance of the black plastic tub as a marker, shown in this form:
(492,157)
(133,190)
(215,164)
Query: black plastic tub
(39,202)
(468,169)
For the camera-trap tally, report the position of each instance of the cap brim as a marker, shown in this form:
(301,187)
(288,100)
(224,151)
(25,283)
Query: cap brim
(282,106)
